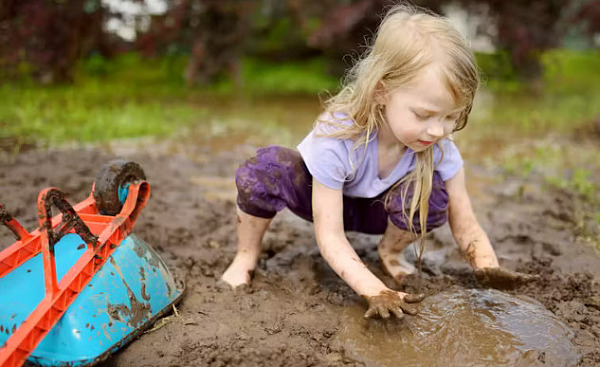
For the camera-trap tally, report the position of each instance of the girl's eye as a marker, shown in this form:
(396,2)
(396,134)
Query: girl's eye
(420,116)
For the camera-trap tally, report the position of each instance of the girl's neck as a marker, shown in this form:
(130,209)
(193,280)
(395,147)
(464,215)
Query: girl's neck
(389,152)
(386,139)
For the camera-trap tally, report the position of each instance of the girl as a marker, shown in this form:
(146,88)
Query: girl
(379,160)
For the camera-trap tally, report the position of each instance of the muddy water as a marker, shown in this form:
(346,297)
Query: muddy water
(462,327)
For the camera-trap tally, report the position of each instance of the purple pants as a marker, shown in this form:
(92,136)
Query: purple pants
(278,178)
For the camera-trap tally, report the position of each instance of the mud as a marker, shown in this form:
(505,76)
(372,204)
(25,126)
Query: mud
(297,311)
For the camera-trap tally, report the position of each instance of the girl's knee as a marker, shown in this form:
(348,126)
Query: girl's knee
(263,172)
(262,181)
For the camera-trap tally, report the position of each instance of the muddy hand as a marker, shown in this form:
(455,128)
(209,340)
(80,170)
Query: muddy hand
(502,278)
(390,302)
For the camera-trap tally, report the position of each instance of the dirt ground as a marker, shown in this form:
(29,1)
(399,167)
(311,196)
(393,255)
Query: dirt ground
(292,314)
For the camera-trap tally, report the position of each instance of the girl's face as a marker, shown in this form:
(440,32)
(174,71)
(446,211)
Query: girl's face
(421,113)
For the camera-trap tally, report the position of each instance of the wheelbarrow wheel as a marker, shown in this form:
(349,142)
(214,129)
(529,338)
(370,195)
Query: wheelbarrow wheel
(114,175)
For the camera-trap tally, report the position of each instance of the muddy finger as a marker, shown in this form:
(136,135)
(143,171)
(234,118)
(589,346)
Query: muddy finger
(383,311)
(372,311)
(414,298)
(397,311)
(409,309)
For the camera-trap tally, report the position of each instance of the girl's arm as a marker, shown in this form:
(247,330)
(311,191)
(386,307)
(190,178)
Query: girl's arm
(472,240)
(334,246)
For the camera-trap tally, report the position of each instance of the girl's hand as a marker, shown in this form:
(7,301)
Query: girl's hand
(502,278)
(396,303)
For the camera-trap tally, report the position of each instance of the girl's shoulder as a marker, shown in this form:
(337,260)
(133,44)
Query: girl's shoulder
(332,123)
(328,155)
(447,158)
(329,133)
(447,146)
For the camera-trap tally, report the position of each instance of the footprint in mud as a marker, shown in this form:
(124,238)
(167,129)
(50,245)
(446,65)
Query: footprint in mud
(462,327)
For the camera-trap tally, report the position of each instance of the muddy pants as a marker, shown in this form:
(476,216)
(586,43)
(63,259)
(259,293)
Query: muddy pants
(278,178)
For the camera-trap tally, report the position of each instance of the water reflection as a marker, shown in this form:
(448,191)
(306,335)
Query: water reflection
(462,328)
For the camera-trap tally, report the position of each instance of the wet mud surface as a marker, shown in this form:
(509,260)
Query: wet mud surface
(463,327)
(297,311)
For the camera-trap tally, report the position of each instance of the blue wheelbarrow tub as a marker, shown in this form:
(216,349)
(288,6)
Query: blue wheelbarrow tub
(127,294)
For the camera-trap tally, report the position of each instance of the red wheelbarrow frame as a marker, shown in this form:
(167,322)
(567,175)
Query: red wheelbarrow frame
(101,233)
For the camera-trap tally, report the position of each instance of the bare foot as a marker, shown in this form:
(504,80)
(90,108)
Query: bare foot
(239,273)
(390,249)
(396,265)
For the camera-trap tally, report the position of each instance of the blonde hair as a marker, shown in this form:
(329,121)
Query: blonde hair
(408,40)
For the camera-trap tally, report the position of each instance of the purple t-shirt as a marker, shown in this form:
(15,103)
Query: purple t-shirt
(337,164)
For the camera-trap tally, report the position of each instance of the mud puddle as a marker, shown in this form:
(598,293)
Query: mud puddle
(462,327)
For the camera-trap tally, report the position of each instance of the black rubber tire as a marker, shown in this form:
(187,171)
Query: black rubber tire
(113,175)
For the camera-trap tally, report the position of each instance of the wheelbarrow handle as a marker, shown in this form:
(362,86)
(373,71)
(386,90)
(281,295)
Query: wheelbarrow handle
(11,223)
(47,198)
(53,196)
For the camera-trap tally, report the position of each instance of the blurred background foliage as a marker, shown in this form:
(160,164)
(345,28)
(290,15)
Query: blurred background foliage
(218,73)
(88,70)
(45,39)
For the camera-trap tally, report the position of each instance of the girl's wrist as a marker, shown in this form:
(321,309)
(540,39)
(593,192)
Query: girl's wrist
(372,290)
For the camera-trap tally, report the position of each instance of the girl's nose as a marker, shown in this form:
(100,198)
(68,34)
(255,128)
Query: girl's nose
(436,129)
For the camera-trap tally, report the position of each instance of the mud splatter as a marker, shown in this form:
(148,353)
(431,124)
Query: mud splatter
(137,312)
(145,296)
(469,253)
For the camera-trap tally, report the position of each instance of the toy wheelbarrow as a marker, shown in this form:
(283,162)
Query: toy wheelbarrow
(81,286)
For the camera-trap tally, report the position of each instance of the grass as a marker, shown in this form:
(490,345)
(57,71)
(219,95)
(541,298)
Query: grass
(567,97)
(130,97)
(61,114)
